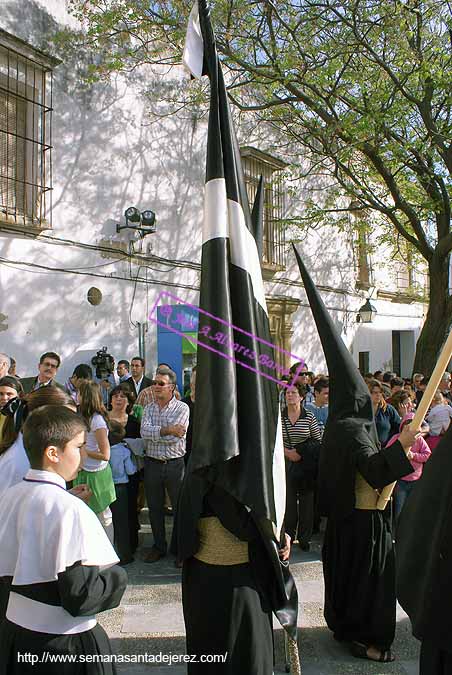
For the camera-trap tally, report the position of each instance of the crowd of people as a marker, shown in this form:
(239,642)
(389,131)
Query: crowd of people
(137,437)
(140,434)
(304,416)
(137,443)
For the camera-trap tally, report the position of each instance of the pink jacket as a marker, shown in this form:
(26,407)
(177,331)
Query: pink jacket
(421,451)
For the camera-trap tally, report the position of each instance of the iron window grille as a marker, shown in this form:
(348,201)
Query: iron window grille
(256,163)
(404,271)
(364,261)
(25,134)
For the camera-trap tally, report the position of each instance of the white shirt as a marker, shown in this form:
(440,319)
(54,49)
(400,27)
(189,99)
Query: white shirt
(154,418)
(91,464)
(14,465)
(48,530)
(137,385)
(439,418)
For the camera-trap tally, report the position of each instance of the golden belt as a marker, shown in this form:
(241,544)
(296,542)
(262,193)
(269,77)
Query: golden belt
(218,546)
(366,497)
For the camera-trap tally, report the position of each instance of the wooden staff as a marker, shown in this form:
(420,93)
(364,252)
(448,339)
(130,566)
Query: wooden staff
(294,656)
(423,407)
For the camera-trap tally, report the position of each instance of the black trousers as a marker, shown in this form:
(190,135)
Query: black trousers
(120,513)
(159,476)
(133,487)
(299,508)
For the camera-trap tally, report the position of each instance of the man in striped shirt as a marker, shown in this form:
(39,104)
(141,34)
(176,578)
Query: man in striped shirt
(163,428)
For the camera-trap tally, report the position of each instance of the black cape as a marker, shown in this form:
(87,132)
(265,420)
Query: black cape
(424,550)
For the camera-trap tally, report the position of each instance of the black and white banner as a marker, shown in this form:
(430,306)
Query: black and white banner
(237,430)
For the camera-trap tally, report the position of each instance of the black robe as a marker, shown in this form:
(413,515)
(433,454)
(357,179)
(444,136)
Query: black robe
(236,599)
(358,552)
(424,560)
(81,591)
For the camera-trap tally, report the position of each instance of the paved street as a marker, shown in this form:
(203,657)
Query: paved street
(150,621)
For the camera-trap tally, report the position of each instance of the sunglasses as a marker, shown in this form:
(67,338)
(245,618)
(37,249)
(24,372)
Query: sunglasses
(161,384)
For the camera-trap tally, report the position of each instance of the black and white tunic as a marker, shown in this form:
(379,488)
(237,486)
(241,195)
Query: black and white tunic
(60,570)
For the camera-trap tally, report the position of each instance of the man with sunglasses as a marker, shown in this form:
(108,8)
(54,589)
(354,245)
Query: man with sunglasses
(163,428)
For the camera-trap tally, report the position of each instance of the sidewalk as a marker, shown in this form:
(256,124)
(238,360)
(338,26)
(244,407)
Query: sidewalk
(150,620)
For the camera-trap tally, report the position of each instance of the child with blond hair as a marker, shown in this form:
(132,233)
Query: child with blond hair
(438,419)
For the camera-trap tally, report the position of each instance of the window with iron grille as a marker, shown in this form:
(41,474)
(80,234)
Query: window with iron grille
(364,263)
(256,164)
(404,272)
(360,221)
(25,134)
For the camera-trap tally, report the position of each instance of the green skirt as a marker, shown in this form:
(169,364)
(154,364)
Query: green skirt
(101,485)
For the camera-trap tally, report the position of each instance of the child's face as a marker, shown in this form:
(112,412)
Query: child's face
(69,457)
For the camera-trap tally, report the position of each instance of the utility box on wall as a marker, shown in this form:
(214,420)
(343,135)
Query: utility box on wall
(176,325)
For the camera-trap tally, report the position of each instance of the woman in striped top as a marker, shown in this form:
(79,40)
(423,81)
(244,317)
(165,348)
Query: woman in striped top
(298,426)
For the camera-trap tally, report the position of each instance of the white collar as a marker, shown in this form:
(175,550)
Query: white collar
(137,384)
(48,476)
(49,527)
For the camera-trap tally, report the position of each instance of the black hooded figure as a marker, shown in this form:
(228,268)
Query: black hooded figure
(424,560)
(358,551)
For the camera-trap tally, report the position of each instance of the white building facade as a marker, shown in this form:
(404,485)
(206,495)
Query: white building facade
(74,157)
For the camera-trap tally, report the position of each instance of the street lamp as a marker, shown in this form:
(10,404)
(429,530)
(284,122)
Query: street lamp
(366,313)
(144,222)
(148,219)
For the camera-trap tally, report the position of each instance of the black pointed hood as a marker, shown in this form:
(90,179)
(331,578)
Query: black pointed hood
(349,394)
(350,429)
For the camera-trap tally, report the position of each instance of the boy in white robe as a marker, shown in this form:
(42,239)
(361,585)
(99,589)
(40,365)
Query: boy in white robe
(56,559)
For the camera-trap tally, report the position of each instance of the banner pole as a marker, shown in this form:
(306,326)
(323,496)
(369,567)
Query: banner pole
(423,407)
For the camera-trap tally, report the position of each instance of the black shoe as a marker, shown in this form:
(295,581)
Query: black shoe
(153,556)
(305,546)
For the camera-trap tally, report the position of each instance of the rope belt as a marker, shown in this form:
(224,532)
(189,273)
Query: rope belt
(218,546)
(366,498)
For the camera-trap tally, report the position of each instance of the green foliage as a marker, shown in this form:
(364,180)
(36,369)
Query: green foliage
(363,87)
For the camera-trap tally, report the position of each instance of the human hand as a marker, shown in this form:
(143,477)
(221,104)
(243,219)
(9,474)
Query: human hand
(292,455)
(284,552)
(178,430)
(409,454)
(404,409)
(82,491)
(408,436)
(105,385)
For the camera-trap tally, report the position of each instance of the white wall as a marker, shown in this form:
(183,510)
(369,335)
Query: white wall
(109,154)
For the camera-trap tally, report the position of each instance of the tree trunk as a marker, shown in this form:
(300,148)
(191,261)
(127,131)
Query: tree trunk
(438,320)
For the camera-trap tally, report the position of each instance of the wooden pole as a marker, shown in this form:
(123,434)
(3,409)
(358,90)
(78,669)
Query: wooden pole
(423,407)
